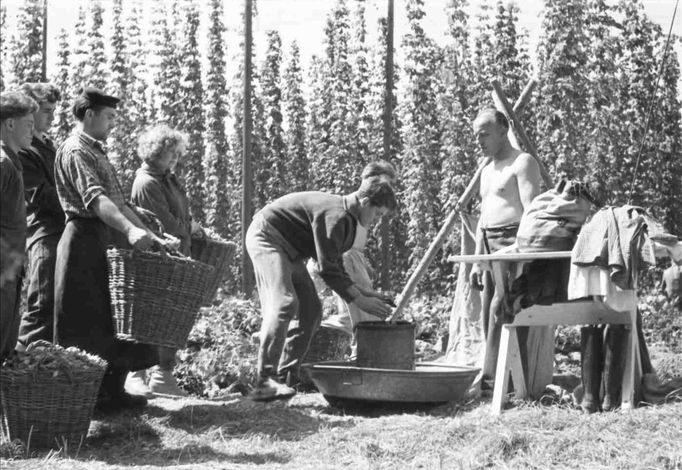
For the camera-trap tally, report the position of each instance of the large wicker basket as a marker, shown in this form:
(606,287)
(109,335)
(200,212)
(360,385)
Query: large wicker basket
(155,297)
(44,408)
(218,254)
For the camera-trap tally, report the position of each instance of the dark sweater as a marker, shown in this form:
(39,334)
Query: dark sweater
(45,216)
(162,193)
(12,214)
(320,226)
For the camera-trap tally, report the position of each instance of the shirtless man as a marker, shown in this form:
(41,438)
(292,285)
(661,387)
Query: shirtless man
(509,182)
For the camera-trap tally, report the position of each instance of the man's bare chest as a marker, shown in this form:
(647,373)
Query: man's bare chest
(499,182)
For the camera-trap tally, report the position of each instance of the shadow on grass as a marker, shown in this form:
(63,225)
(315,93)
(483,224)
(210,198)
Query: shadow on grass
(376,409)
(131,439)
(243,417)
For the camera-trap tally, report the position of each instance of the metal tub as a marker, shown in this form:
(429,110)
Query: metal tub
(427,383)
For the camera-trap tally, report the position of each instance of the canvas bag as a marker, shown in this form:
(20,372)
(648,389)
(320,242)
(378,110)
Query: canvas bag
(553,219)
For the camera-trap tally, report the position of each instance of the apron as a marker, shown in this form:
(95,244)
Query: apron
(82,302)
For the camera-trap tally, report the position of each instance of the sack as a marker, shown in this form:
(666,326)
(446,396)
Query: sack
(553,219)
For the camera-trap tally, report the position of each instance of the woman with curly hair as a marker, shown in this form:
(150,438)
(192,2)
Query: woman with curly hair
(157,189)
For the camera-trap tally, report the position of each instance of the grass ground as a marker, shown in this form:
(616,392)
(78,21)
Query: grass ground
(306,433)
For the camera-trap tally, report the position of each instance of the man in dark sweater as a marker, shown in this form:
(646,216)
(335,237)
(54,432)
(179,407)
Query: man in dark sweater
(16,127)
(45,217)
(281,237)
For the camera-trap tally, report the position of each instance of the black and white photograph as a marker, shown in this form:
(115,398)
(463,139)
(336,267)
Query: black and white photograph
(340,234)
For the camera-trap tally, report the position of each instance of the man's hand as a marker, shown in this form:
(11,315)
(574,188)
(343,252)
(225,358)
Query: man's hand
(141,239)
(373,305)
(476,277)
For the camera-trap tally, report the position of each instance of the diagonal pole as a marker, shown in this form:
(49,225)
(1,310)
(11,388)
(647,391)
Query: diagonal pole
(520,131)
(449,224)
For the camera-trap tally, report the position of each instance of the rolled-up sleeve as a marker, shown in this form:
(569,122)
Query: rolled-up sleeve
(82,170)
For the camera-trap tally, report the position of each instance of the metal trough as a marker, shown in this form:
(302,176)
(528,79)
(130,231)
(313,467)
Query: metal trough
(427,383)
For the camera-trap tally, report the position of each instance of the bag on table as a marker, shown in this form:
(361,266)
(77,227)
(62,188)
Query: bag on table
(553,219)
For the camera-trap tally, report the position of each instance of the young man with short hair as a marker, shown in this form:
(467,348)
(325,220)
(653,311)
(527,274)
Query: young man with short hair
(45,217)
(16,130)
(281,237)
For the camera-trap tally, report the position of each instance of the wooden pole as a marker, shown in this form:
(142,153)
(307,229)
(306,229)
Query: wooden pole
(449,224)
(520,132)
(247,189)
(43,69)
(388,115)
(524,97)
(436,244)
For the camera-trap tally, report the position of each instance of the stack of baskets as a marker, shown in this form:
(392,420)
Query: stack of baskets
(48,394)
(217,253)
(155,297)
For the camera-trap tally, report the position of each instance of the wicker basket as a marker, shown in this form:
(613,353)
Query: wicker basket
(155,297)
(328,344)
(43,409)
(218,254)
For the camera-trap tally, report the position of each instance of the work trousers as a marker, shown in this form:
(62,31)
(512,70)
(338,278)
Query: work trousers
(38,320)
(286,291)
(494,311)
(10,299)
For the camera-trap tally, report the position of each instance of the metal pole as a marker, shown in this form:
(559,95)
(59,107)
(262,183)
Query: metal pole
(247,190)
(388,115)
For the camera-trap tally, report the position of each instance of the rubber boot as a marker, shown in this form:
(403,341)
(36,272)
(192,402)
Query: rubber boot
(591,367)
(614,366)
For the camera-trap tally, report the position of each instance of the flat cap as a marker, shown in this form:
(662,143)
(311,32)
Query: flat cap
(89,98)
(96,97)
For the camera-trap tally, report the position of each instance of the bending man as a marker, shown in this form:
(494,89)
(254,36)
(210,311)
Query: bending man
(281,237)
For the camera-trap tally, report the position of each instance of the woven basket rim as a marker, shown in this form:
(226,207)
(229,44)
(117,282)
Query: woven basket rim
(166,257)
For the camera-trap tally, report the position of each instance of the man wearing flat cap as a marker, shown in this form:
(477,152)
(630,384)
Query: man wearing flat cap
(96,212)
(16,128)
(45,217)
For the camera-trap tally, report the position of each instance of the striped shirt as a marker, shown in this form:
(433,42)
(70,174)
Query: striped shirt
(82,173)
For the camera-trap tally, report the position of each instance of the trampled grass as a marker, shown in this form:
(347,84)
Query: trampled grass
(306,433)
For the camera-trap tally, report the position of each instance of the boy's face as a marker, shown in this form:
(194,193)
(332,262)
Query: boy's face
(43,117)
(23,130)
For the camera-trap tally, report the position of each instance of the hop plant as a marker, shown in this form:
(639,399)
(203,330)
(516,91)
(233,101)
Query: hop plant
(47,357)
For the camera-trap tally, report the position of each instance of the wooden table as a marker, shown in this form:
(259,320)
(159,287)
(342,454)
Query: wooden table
(582,312)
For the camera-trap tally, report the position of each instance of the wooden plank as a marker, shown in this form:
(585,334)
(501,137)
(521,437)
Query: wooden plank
(519,257)
(580,312)
(502,372)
